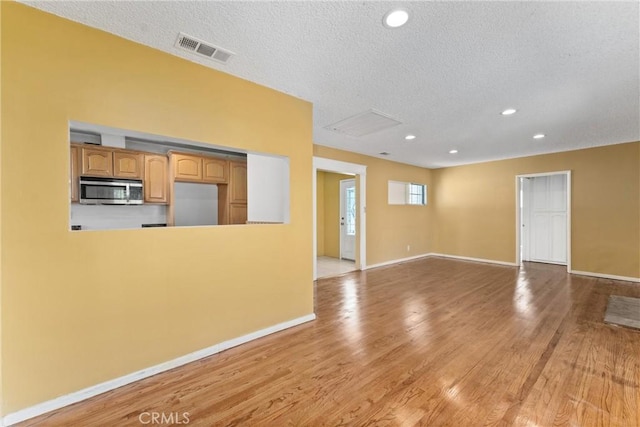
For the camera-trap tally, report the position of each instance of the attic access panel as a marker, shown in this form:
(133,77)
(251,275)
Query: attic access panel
(364,124)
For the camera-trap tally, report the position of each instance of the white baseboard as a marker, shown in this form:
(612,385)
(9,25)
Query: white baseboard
(432,254)
(606,276)
(466,258)
(510,264)
(395,261)
(59,402)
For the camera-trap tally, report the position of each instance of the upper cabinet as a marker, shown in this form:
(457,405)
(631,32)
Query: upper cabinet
(109,162)
(238,182)
(156,170)
(194,168)
(187,167)
(127,165)
(97,161)
(214,170)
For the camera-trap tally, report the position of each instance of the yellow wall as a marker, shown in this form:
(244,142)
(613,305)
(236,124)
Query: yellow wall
(79,308)
(475,207)
(332,213)
(320,212)
(390,228)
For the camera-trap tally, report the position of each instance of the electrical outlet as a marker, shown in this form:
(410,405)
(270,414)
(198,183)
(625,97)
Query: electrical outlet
(408,248)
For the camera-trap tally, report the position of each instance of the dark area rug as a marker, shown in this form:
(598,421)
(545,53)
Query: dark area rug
(623,311)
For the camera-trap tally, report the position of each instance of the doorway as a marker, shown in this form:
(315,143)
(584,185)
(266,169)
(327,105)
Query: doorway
(358,174)
(543,218)
(336,223)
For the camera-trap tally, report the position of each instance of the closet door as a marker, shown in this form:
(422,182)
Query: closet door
(548,219)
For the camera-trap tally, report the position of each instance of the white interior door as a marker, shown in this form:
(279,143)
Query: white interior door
(544,219)
(348,219)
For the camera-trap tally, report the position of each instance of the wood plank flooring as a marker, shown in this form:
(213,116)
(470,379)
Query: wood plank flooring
(434,342)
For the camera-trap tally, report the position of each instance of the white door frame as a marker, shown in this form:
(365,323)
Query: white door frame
(341,208)
(330,165)
(518,213)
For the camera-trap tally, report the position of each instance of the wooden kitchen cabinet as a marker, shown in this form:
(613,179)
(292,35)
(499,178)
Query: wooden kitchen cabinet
(203,169)
(97,161)
(156,178)
(214,170)
(237,182)
(238,213)
(74,174)
(187,167)
(128,165)
(109,162)
(237,193)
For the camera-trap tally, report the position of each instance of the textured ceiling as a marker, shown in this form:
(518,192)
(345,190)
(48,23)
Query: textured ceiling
(570,68)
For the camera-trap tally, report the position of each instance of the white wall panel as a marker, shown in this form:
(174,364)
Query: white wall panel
(267,188)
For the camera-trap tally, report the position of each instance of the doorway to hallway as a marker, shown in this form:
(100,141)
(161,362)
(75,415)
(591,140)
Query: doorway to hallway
(350,233)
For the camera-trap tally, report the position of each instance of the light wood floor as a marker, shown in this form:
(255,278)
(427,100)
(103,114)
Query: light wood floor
(431,342)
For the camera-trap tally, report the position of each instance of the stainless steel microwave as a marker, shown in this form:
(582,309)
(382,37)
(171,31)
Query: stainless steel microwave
(110,191)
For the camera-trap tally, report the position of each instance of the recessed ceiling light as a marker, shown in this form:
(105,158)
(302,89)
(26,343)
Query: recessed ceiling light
(410,137)
(508,111)
(395,18)
(384,153)
(453,151)
(538,136)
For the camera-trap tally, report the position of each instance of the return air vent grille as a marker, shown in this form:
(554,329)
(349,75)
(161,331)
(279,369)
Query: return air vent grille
(364,123)
(187,43)
(202,48)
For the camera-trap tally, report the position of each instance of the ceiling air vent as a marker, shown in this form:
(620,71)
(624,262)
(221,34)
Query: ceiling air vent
(206,49)
(364,123)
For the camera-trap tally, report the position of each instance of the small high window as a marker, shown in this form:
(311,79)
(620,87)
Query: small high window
(417,194)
